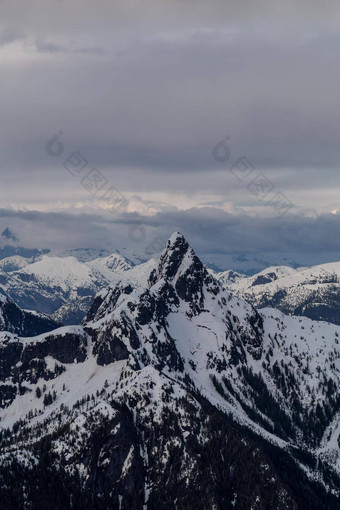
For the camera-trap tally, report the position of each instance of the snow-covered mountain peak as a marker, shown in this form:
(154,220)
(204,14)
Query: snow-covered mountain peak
(137,318)
(175,238)
(178,259)
(59,271)
(107,266)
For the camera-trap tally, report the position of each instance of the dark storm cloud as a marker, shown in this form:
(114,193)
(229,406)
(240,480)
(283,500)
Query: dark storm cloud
(208,230)
(212,230)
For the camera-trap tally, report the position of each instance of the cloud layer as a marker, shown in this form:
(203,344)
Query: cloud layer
(211,232)
(145,91)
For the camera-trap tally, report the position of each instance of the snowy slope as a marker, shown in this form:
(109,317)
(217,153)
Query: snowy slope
(66,273)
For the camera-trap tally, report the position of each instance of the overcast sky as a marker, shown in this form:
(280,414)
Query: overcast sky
(145,91)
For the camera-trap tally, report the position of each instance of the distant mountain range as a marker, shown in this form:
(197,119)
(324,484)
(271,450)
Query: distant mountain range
(312,292)
(63,287)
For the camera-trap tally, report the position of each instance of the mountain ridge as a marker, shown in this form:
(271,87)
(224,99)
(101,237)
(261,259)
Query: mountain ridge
(313,292)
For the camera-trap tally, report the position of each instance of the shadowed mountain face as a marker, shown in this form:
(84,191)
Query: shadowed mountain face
(24,323)
(8,234)
(10,251)
(173,393)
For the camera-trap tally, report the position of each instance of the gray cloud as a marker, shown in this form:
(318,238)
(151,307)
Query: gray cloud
(8,36)
(146,89)
(43,46)
(212,232)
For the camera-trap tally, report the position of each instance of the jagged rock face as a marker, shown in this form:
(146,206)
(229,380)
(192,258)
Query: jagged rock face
(181,266)
(179,285)
(173,394)
(64,346)
(21,322)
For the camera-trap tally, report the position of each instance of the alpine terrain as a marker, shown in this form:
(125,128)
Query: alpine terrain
(63,287)
(173,393)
